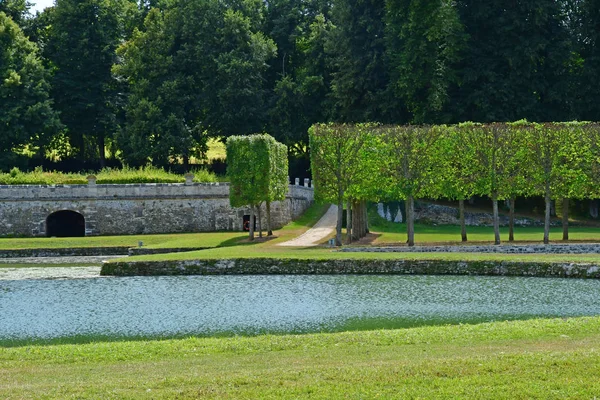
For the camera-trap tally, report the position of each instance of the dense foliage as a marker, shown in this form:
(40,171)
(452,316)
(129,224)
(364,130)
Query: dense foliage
(498,160)
(257,168)
(26,113)
(151,81)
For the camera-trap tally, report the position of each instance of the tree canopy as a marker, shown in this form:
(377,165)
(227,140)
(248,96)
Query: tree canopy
(27,116)
(150,81)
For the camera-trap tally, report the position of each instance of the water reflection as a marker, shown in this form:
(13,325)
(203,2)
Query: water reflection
(208,305)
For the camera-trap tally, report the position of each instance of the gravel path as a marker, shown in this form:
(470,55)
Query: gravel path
(318,232)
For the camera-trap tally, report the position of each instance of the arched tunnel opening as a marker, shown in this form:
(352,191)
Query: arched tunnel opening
(65,224)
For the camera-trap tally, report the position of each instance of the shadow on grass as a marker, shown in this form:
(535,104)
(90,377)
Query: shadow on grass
(236,241)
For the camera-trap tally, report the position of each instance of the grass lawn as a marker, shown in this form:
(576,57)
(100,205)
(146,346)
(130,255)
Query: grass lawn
(388,232)
(557,358)
(262,251)
(216,149)
(212,239)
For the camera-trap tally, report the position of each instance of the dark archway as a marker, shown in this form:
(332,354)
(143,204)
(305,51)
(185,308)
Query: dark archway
(65,224)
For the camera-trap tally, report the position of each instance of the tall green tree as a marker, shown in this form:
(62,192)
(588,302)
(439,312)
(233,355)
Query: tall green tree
(301,76)
(559,158)
(257,168)
(82,40)
(27,116)
(516,62)
(335,154)
(587,34)
(17,10)
(458,172)
(157,126)
(412,165)
(196,70)
(424,41)
(361,82)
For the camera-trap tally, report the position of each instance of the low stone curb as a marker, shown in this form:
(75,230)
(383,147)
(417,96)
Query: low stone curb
(270,266)
(141,251)
(92,251)
(66,252)
(583,248)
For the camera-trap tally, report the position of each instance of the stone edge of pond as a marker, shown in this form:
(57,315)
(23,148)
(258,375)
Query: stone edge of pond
(555,248)
(272,266)
(90,251)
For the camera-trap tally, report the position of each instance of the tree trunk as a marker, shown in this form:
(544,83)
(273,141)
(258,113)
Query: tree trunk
(269,231)
(338,226)
(594,209)
(80,144)
(547,218)
(461,216)
(349,230)
(366,218)
(358,215)
(410,220)
(101,150)
(251,227)
(511,220)
(565,219)
(496,220)
(355,220)
(259,221)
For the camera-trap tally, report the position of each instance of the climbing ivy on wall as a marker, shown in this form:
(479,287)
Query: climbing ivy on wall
(257,167)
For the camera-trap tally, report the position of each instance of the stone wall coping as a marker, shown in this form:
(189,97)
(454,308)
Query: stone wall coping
(554,248)
(17,193)
(273,266)
(102,185)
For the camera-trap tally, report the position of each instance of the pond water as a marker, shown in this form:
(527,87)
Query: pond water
(45,309)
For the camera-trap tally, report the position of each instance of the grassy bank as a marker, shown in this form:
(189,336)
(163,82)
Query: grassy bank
(396,233)
(557,358)
(261,251)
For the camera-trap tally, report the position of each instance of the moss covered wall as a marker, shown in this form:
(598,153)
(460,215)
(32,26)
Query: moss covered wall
(269,266)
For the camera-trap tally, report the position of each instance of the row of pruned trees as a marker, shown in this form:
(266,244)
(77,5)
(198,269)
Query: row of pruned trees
(356,163)
(257,167)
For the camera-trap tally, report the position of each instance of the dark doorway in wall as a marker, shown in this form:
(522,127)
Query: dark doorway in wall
(246,223)
(65,224)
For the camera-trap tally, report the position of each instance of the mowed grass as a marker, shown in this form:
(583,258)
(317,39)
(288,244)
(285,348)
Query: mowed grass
(545,359)
(392,233)
(261,251)
(216,149)
(175,240)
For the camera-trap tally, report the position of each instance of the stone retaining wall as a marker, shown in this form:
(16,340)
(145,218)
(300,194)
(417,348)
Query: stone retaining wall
(70,252)
(137,208)
(571,248)
(92,251)
(269,266)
